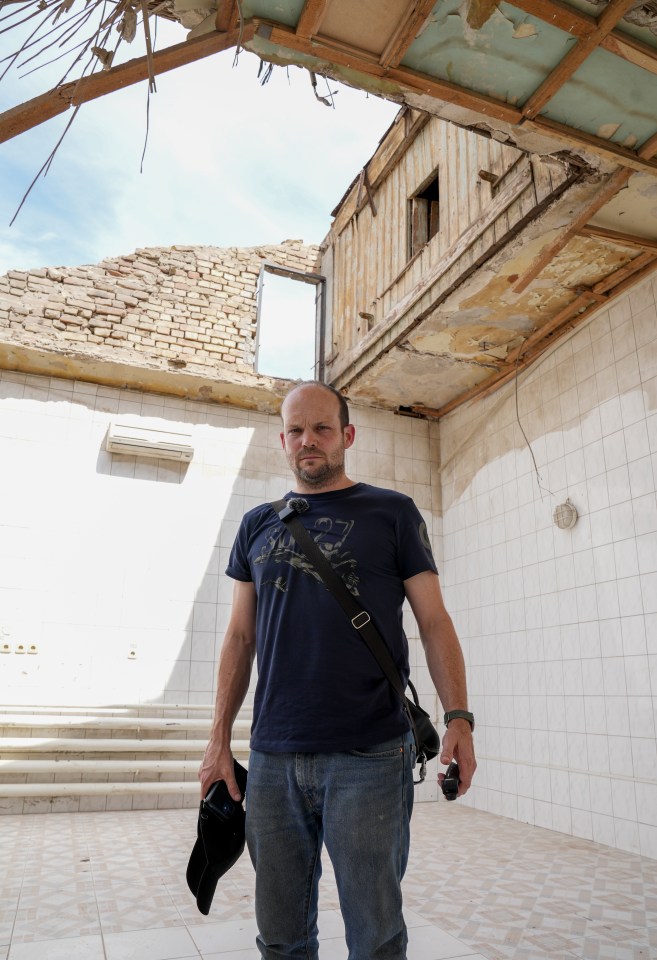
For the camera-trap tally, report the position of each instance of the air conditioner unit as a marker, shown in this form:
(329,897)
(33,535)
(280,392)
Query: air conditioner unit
(149,442)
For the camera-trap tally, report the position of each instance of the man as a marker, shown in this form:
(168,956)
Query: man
(331,753)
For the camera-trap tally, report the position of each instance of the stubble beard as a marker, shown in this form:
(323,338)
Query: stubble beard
(322,475)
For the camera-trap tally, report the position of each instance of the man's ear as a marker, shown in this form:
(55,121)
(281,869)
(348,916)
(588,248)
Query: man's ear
(282,436)
(349,434)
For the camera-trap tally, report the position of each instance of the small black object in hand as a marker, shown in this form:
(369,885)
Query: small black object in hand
(451,781)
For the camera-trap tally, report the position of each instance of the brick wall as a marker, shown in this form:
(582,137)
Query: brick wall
(180,307)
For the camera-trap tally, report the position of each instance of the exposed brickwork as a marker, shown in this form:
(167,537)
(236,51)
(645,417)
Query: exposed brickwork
(186,306)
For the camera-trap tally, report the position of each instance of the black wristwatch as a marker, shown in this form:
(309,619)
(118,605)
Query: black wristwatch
(459,715)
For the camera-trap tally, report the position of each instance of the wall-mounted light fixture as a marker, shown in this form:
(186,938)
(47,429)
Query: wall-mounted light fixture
(565,515)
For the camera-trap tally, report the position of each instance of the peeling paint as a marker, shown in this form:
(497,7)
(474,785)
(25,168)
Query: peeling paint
(405,378)
(479,11)
(524,30)
(607,130)
(472,341)
(632,210)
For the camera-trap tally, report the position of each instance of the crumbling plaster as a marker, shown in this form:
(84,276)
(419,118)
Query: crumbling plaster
(431,354)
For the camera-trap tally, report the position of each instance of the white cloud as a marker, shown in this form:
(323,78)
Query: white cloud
(229,162)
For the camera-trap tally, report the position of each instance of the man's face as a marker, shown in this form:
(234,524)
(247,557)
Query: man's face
(313,439)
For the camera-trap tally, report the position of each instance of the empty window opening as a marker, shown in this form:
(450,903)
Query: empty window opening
(287,311)
(424,215)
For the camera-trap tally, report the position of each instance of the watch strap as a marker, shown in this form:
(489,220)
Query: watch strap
(459,715)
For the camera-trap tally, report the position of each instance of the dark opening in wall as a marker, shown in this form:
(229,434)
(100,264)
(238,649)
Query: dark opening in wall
(424,215)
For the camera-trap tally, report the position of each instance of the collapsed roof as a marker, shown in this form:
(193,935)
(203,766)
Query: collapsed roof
(573,81)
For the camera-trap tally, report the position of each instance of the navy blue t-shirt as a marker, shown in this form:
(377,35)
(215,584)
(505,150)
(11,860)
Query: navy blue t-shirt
(319,688)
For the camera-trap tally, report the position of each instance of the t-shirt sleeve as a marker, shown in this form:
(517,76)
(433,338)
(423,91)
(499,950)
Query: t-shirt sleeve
(238,563)
(413,544)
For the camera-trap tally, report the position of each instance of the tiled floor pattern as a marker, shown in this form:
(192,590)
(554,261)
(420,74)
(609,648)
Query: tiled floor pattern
(111,886)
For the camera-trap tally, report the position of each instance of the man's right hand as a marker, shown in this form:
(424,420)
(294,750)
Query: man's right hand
(218,764)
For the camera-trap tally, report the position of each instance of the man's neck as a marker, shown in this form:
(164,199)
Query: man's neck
(341,483)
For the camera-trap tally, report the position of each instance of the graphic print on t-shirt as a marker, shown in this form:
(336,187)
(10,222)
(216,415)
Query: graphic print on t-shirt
(330,536)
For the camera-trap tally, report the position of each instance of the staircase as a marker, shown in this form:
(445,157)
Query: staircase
(120,757)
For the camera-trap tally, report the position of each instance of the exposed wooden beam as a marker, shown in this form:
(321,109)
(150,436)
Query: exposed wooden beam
(559,15)
(613,12)
(634,51)
(311,17)
(452,93)
(405,79)
(582,300)
(227,15)
(636,160)
(580,25)
(649,148)
(613,185)
(548,253)
(415,16)
(498,380)
(362,61)
(33,112)
(615,236)
(624,273)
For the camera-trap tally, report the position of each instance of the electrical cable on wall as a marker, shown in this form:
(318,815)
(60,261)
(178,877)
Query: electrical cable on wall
(522,430)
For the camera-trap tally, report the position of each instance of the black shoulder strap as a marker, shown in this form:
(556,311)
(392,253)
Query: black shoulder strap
(360,619)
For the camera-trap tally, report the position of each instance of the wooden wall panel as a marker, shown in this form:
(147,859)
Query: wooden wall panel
(372,268)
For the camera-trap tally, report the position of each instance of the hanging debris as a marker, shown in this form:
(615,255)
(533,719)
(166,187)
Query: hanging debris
(105,56)
(127,25)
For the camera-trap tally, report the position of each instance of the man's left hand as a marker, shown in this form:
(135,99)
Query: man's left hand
(458,745)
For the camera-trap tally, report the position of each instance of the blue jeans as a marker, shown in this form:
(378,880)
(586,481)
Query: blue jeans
(359,803)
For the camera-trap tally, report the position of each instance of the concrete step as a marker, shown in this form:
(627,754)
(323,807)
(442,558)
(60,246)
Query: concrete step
(20,724)
(123,709)
(68,758)
(30,746)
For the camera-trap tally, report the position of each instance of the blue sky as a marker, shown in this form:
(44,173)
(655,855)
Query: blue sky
(229,162)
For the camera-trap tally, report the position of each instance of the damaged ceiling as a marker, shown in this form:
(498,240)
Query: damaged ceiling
(575,80)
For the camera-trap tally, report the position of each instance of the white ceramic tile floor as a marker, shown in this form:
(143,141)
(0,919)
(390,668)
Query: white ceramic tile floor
(111,886)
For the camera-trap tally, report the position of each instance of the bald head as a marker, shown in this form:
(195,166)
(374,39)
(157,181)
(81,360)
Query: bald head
(343,409)
(316,432)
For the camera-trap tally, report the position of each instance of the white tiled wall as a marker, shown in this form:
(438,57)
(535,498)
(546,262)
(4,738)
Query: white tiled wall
(559,627)
(101,555)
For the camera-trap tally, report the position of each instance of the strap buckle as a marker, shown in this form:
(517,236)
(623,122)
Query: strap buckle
(358,623)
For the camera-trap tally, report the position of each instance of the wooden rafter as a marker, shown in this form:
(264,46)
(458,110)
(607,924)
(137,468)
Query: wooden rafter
(548,253)
(634,51)
(611,188)
(582,25)
(413,81)
(559,15)
(634,159)
(356,59)
(311,17)
(227,15)
(555,80)
(597,294)
(649,148)
(615,236)
(48,105)
(415,16)
(571,317)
